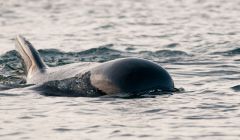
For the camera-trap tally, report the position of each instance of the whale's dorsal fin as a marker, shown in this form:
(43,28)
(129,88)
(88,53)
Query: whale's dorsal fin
(32,60)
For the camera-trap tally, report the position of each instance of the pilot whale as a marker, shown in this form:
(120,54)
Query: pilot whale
(90,79)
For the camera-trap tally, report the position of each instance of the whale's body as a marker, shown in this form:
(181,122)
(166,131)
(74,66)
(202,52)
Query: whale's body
(127,75)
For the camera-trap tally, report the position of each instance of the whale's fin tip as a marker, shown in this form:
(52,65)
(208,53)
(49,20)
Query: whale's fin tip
(31,57)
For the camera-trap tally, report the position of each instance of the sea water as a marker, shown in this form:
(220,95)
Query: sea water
(196,41)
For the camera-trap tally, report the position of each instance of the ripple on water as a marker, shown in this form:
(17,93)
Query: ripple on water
(233,52)
(166,53)
(236,88)
(199,49)
(9,95)
(63,129)
(25,118)
(153,111)
(12,134)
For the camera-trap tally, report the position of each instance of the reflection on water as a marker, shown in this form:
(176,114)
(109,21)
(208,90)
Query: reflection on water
(197,41)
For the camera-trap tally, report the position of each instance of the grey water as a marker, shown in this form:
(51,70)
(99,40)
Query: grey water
(197,41)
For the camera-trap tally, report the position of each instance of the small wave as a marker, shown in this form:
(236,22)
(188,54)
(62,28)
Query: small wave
(4,87)
(8,94)
(172,45)
(152,111)
(63,129)
(142,94)
(166,53)
(165,56)
(54,57)
(12,134)
(233,52)
(171,53)
(236,88)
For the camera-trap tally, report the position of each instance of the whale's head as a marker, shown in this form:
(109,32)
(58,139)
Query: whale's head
(131,75)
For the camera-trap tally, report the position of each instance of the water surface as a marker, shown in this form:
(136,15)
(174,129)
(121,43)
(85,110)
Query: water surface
(197,41)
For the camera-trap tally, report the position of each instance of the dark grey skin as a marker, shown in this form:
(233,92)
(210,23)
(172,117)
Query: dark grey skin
(128,75)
